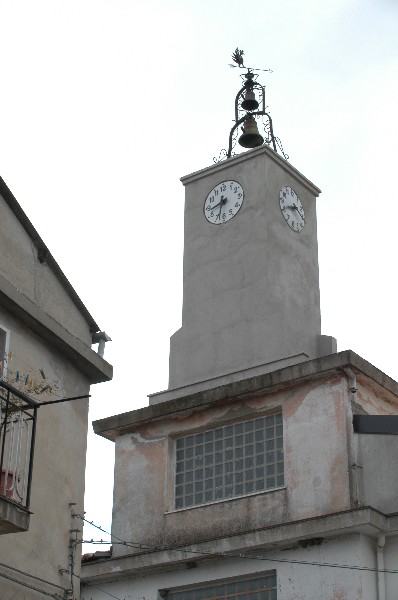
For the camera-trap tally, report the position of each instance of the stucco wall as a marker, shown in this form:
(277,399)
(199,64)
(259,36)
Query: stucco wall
(295,581)
(378,456)
(390,563)
(59,466)
(316,468)
(241,309)
(20,266)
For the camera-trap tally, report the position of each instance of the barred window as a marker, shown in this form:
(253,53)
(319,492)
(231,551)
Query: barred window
(4,335)
(229,461)
(261,588)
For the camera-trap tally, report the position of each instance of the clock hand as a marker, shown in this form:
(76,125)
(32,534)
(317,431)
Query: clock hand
(294,207)
(215,206)
(221,203)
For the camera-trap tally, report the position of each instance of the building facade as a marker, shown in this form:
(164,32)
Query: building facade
(246,479)
(46,334)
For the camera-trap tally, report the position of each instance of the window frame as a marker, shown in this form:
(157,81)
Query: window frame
(4,357)
(279,483)
(164,594)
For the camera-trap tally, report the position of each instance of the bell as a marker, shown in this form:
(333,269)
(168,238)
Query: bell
(250,102)
(250,137)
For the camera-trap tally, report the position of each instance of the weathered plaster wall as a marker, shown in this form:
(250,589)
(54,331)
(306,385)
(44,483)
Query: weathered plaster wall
(316,468)
(375,399)
(59,465)
(294,581)
(20,266)
(317,460)
(377,454)
(390,564)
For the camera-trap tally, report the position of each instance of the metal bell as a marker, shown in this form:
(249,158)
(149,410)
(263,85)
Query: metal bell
(250,102)
(250,137)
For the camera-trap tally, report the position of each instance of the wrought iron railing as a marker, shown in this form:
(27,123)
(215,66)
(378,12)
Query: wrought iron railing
(18,415)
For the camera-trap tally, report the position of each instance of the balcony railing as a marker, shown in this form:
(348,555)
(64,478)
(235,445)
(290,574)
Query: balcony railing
(18,415)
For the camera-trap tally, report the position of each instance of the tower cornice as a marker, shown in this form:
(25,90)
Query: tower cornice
(249,155)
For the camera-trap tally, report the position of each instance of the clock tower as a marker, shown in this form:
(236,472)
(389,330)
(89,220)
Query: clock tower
(251,286)
(246,479)
(250,283)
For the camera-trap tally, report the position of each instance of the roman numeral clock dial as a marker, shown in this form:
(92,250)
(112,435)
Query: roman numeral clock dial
(292,209)
(223,202)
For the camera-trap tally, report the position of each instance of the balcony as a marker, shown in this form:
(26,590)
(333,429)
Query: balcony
(18,415)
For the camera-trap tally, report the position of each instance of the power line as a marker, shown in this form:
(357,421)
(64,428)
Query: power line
(103,591)
(141,546)
(91,585)
(33,577)
(32,587)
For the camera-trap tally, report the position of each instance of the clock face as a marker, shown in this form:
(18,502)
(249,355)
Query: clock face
(223,202)
(292,209)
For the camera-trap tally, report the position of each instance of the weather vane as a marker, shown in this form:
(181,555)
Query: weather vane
(237,57)
(247,109)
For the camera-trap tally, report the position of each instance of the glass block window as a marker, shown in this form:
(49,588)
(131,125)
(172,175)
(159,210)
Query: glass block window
(230,461)
(261,588)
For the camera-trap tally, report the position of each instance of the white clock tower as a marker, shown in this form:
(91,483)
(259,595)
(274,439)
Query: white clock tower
(249,479)
(251,286)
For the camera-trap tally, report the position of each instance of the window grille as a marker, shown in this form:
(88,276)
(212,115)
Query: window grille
(260,588)
(3,352)
(229,461)
(18,415)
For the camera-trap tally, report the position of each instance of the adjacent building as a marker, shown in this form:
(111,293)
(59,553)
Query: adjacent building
(47,365)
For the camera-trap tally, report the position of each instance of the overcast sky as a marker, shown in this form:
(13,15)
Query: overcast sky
(105,104)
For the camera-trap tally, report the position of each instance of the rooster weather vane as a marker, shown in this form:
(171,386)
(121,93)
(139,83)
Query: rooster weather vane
(247,109)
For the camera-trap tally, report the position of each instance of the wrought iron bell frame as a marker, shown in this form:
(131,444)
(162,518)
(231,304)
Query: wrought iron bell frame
(250,85)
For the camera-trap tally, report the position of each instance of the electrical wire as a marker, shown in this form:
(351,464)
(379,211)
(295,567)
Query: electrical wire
(103,591)
(33,577)
(32,587)
(231,555)
(93,585)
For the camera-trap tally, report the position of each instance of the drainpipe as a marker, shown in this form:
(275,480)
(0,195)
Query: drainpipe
(352,386)
(100,338)
(381,538)
(381,576)
(352,381)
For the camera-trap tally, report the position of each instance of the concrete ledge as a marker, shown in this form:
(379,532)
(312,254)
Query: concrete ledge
(82,356)
(189,390)
(111,427)
(13,518)
(364,520)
